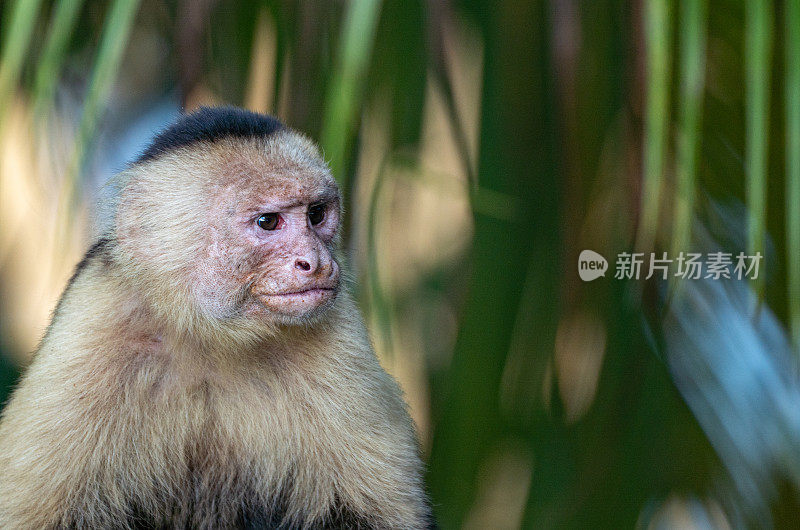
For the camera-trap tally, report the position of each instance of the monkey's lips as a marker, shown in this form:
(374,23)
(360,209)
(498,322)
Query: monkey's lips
(300,301)
(307,294)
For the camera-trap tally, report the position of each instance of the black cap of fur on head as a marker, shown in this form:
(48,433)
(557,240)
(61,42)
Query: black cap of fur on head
(208,124)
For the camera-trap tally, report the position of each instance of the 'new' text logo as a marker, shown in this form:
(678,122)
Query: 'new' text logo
(591,265)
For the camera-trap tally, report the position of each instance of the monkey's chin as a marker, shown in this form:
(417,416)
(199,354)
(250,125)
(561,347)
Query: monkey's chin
(299,307)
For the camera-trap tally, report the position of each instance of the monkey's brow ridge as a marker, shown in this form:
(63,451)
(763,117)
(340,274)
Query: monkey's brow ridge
(210,124)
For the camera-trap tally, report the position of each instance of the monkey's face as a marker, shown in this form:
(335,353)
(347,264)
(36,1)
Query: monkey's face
(280,218)
(291,233)
(238,231)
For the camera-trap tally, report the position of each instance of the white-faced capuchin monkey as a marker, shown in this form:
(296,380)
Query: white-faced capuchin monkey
(205,366)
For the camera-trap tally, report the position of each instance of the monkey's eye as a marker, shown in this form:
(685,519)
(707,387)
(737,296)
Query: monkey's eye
(316,214)
(268,221)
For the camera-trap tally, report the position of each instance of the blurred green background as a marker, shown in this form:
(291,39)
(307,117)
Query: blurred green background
(480,147)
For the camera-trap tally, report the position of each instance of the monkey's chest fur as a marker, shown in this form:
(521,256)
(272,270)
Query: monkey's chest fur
(286,450)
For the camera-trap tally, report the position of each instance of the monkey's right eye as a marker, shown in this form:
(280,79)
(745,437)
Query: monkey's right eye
(268,221)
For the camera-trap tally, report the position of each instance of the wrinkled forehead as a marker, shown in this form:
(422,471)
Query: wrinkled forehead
(283,166)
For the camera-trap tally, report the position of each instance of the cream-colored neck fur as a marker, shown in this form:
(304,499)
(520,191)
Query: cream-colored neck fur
(311,423)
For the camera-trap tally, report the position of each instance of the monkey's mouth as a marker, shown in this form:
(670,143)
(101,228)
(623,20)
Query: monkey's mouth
(307,293)
(300,301)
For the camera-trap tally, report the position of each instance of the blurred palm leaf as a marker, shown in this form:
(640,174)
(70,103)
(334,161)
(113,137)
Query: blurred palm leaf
(658,32)
(692,43)
(112,44)
(344,89)
(19,30)
(758,57)
(62,25)
(792,87)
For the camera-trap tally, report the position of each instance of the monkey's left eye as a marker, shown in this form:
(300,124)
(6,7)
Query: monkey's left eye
(316,214)
(268,221)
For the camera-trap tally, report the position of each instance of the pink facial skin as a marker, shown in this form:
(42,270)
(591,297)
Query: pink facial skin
(211,250)
(283,270)
(303,276)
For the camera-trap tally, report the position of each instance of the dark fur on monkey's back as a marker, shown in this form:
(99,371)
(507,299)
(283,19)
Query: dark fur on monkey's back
(209,124)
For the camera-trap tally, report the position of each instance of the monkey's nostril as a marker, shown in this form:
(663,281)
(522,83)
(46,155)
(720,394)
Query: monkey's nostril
(302,265)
